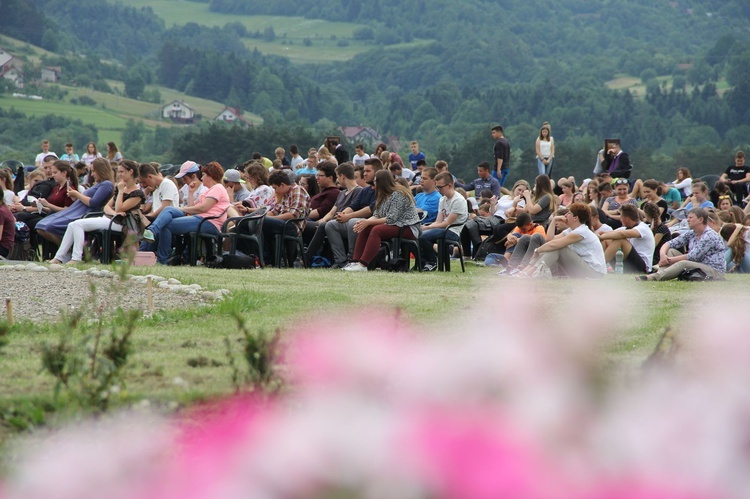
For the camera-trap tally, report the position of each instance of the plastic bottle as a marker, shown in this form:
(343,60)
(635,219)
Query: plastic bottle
(618,261)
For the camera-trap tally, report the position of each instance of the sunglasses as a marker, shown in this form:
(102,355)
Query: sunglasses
(621,181)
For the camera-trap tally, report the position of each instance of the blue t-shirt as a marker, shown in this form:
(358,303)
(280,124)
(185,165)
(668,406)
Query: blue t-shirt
(705,204)
(414,158)
(429,203)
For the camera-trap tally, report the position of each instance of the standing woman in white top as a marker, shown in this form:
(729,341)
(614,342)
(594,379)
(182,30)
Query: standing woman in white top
(91,154)
(545,150)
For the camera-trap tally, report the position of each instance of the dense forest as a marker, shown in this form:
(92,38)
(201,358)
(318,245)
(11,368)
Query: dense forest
(506,61)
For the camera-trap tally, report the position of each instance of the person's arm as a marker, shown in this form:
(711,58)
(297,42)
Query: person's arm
(201,207)
(102,194)
(533,207)
(620,234)
(737,231)
(559,242)
(538,148)
(122,205)
(495,187)
(329,215)
(742,180)
(443,223)
(367,222)
(164,204)
(551,148)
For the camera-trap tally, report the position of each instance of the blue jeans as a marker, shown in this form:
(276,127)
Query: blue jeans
(429,238)
(543,169)
(502,177)
(173,221)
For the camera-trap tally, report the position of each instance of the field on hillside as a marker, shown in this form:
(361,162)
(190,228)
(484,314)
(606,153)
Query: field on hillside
(291,32)
(638,89)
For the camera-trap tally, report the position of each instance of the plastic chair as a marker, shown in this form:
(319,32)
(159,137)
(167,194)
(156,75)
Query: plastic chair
(198,237)
(247,228)
(443,253)
(284,240)
(399,246)
(710,180)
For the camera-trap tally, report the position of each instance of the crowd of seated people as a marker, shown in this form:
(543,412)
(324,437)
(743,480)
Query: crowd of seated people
(343,210)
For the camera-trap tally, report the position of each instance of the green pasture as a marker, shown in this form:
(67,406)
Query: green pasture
(291,32)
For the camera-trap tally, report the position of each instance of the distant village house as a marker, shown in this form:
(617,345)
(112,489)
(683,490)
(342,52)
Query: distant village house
(233,115)
(51,74)
(10,68)
(178,111)
(360,134)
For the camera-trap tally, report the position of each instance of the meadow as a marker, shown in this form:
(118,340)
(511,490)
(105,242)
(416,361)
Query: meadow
(180,355)
(291,32)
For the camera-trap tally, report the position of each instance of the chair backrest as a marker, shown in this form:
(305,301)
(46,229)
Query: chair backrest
(710,180)
(253,223)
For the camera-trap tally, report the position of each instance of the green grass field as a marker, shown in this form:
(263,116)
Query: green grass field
(435,303)
(290,31)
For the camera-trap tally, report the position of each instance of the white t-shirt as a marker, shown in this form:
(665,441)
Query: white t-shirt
(506,202)
(166,191)
(40,157)
(296,161)
(643,245)
(456,204)
(360,160)
(407,174)
(545,147)
(604,228)
(184,194)
(589,249)
(8,197)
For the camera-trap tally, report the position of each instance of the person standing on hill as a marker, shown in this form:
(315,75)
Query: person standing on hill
(545,151)
(502,155)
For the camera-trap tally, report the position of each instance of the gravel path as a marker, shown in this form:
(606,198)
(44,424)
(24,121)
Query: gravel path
(38,292)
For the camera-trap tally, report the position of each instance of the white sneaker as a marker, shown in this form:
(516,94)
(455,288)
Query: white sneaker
(355,267)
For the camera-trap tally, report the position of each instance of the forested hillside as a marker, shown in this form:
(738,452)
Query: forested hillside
(509,61)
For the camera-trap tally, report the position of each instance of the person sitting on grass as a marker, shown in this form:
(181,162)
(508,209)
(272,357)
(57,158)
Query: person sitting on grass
(705,251)
(521,243)
(737,255)
(576,251)
(634,239)
(659,229)
(451,210)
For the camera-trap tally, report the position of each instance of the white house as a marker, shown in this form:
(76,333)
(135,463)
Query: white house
(10,68)
(179,112)
(51,74)
(233,115)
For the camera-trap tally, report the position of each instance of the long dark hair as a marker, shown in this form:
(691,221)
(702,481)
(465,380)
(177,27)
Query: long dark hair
(70,173)
(385,186)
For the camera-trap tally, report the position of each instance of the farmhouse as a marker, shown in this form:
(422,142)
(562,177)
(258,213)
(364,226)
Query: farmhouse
(233,115)
(51,74)
(10,68)
(363,134)
(179,112)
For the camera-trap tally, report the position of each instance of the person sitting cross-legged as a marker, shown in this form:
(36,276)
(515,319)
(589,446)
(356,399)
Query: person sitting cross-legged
(634,239)
(705,251)
(214,202)
(521,244)
(452,209)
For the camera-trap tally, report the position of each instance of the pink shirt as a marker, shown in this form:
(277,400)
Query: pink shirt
(219,193)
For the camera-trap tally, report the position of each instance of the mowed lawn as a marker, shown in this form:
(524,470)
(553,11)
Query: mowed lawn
(431,303)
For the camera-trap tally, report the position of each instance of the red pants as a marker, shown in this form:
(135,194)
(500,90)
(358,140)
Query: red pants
(368,241)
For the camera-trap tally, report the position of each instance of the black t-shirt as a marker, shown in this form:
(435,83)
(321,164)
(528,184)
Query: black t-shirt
(737,172)
(667,236)
(40,190)
(502,151)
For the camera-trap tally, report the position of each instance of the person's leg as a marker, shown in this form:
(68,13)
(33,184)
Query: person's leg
(271,227)
(359,246)
(575,266)
(519,251)
(540,167)
(351,236)
(675,270)
(178,225)
(536,241)
(503,176)
(548,168)
(613,245)
(165,218)
(378,234)
(66,244)
(426,244)
(316,241)
(87,225)
(335,232)
(745,263)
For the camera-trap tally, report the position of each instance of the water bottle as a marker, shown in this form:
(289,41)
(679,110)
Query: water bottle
(618,261)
